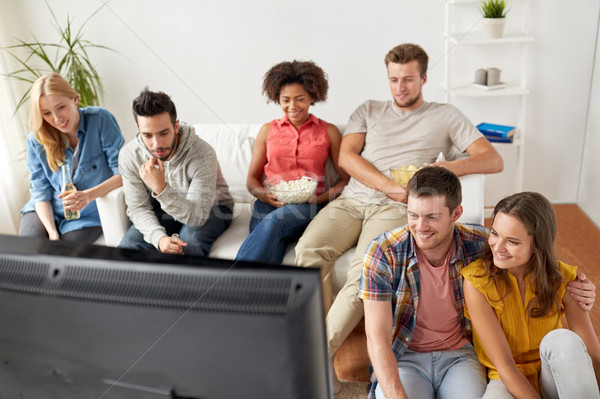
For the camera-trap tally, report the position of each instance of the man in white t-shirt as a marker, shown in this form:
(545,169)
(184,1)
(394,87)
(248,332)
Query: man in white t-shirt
(380,135)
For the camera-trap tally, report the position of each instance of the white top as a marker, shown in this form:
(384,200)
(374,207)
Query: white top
(394,138)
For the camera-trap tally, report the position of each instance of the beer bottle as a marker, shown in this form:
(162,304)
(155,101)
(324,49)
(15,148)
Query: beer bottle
(68,188)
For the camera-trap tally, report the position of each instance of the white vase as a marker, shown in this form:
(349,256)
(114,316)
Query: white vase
(493,27)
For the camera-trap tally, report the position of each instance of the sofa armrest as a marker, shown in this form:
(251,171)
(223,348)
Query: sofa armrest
(113,216)
(472,198)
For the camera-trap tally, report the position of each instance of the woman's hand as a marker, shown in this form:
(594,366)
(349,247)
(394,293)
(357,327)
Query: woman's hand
(267,197)
(75,201)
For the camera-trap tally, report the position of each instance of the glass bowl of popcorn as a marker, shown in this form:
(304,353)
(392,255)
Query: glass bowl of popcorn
(293,187)
(402,174)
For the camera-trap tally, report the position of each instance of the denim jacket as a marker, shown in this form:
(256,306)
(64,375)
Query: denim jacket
(100,140)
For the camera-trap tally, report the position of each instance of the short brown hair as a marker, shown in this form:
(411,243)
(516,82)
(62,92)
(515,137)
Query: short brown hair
(306,73)
(435,180)
(406,53)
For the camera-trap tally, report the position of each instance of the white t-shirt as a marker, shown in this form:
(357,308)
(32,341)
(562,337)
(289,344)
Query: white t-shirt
(394,138)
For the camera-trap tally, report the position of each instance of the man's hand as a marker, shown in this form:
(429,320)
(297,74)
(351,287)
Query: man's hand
(170,245)
(395,191)
(152,174)
(583,291)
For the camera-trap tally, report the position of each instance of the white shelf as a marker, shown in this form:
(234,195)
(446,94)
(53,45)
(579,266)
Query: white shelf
(472,43)
(511,89)
(474,38)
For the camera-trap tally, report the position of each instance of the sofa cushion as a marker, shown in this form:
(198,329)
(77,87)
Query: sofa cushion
(228,244)
(233,145)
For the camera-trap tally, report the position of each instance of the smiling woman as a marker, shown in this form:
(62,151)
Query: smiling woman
(88,140)
(297,144)
(518,289)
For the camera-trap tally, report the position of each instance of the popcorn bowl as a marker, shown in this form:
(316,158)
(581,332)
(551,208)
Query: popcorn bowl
(293,187)
(402,174)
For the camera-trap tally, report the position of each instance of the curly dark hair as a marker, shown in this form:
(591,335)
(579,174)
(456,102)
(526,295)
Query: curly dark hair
(306,73)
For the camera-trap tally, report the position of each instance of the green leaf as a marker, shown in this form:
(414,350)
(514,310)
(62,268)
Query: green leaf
(68,57)
(493,9)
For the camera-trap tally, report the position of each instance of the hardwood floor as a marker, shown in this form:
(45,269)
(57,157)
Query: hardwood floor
(578,244)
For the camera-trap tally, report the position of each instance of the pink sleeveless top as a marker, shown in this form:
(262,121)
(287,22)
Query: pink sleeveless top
(291,150)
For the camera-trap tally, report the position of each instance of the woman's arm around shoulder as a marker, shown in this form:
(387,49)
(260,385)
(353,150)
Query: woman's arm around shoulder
(257,168)
(494,341)
(335,139)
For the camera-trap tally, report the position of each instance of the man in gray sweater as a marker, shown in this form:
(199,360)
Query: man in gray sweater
(176,196)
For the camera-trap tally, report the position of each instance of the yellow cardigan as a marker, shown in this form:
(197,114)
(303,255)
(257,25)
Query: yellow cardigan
(523,333)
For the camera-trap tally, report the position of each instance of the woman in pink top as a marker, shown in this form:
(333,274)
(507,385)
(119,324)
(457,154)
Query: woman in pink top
(297,142)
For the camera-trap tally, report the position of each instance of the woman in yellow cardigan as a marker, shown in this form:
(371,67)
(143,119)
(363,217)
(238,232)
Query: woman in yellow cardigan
(515,296)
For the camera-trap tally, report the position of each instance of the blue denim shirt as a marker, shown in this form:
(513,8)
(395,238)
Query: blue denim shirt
(100,140)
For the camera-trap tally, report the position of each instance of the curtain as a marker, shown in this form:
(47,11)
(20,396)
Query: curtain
(14,177)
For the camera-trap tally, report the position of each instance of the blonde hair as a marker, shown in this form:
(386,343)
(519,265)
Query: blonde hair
(55,143)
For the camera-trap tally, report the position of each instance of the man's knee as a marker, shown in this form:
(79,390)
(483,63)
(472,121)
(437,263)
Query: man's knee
(132,239)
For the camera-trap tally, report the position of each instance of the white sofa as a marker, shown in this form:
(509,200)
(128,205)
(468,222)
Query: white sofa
(233,145)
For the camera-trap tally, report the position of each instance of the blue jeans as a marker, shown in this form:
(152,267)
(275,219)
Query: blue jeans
(272,228)
(441,374)
(199,239)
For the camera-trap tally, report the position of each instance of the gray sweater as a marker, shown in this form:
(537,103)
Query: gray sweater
(194,184)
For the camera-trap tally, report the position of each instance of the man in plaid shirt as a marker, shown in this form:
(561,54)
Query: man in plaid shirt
(417,335)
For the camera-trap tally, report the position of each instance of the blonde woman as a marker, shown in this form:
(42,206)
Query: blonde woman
(88,140)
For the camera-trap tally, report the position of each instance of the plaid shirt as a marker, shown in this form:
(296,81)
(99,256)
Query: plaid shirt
(391,273)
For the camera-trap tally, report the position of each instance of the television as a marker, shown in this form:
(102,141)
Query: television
(85,321)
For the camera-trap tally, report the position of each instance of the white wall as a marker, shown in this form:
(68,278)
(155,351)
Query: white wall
(589,184)
(211,56)
(563,60)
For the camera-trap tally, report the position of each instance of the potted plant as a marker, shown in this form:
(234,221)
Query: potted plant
(68,57)
(494,12)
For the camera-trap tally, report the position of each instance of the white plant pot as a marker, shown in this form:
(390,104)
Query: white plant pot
(493,27)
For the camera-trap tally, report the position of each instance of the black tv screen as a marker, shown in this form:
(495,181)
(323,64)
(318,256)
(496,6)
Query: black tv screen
(83,321)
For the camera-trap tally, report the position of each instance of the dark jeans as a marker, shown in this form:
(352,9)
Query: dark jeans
(199,239)
(31,226)
(272,228)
